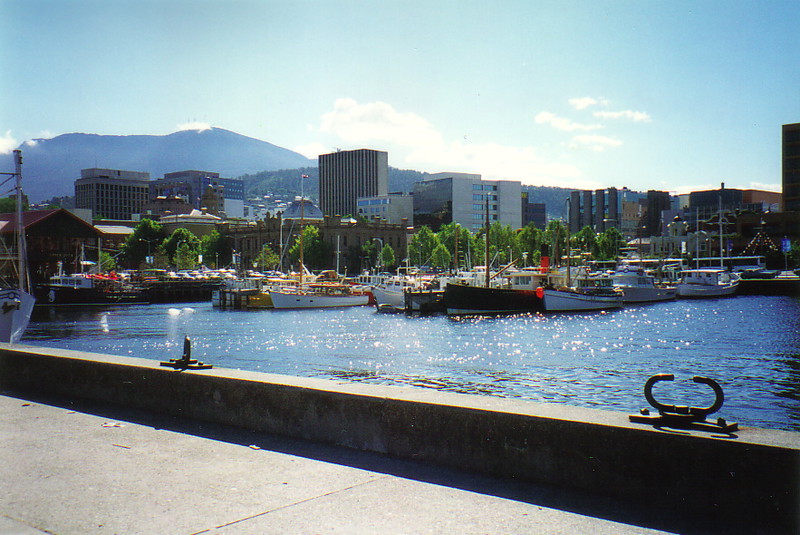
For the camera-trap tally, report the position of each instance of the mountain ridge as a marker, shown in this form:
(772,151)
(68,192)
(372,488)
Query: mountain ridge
(51,166)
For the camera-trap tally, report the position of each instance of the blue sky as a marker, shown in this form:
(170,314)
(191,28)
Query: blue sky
(675,95)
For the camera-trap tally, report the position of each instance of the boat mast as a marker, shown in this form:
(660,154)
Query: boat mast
(22,249)
(719,216)
(302,209)
(486,251)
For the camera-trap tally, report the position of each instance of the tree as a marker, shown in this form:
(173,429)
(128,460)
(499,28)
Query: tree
(422,245)
(556,234)
(316,253)
(147,235)
(9,204)
(176,239)
(440,257)
(217,247)
(185,256)
(531,240)
(387,256)
(107,262)
(586,239)
(267,259)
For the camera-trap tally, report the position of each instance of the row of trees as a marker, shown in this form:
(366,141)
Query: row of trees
(151,245)
(452,247)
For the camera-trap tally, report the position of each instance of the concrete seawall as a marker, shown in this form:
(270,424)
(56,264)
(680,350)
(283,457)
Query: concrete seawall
(753,476)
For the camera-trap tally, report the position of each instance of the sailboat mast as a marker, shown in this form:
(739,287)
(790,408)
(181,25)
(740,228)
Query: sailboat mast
(22,267)
(302,211)
(486,251)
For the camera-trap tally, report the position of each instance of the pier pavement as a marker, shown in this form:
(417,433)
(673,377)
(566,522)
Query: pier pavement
(91,468)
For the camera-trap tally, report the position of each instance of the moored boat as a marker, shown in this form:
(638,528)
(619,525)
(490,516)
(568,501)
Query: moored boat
(583,292)
(639,287)
(705,283)
(88,289)
(16,300)
(323,295)
(465,300)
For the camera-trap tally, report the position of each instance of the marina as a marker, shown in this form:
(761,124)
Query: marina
(749,344)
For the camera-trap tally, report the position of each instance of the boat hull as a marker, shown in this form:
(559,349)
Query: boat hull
(388,299)
(15,313)
(295,300)
(633,294)
(463,300)
(50,295)
(701,291)
(569,301)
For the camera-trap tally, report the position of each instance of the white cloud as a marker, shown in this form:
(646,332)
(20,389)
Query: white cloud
(312,150)
(766,187)
(562,123)
(635,116)
(7,143)
(413,142)
(595,143)
(377,121)
(582,103)
(194,125)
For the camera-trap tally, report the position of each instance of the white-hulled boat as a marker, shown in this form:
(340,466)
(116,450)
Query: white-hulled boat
(16,301)
(710,282)
(584,292)
(390,295)
(319,296)
(639,287)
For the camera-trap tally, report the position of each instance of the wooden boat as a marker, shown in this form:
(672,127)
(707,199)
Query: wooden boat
(319,295)
(705,283)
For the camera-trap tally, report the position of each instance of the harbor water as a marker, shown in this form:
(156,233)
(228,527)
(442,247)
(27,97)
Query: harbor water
(750,345)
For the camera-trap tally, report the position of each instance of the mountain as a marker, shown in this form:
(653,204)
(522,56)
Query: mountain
(51,166)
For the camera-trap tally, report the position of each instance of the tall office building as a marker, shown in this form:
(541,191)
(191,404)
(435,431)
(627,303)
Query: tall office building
(463,197)
(791,167)
(112,193)
(657,202)
(344,176)
(599,213)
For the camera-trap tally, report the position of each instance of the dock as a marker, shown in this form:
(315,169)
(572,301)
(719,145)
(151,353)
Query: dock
(105,444)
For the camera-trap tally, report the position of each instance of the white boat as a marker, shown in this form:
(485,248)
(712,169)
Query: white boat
(639,287)
(319,296)
(709,282)
(584,292)
(390,294)
(16,301)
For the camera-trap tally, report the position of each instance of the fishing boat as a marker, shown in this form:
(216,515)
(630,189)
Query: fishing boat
(466,300)
(575,290)
(707,282)
(16,300)
(640,287)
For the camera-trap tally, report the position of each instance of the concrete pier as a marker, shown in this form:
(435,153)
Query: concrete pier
(686,481)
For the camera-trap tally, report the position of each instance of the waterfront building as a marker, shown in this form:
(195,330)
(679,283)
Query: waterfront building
(600,212)
(344,176)
(791,167)
(203,190)
(392,208)
(657,203)
(461,198)
(112,193)
(345,238)
(533,212)
(55,237)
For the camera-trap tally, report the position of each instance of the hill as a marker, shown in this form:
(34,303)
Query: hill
(51,166)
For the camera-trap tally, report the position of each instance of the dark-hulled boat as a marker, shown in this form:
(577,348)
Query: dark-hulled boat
(464,300)
(87,289)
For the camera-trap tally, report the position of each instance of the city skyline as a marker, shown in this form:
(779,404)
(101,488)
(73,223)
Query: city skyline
(672,96)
